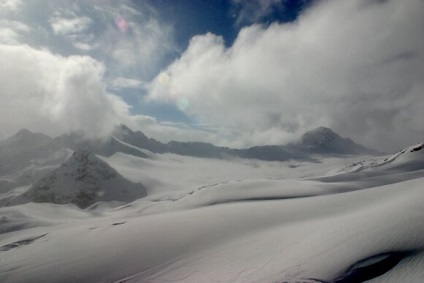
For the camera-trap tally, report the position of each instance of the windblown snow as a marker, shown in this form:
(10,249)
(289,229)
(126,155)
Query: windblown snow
(164,217)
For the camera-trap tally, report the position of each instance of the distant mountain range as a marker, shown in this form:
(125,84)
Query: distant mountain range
(27,145)
(20,150)
(322,141)
(319,141)
(68,162)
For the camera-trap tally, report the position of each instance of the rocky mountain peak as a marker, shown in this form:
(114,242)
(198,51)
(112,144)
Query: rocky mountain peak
(83,180)
(320,136)
(325,141)
(25,139)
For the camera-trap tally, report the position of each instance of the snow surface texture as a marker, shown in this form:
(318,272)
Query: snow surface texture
(405,160)
(236,220)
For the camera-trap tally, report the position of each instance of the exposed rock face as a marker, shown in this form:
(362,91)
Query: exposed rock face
(83,180)
(325,141)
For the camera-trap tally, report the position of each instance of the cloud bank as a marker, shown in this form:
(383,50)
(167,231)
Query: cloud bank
(355,66)
(128,37)
(62,62)
(55,94)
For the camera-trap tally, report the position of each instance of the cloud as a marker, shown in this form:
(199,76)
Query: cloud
(49,90)
(126,36)
(120,82)
(355,66)
(251,11)
(74,29)
(8,6)
(137,45)
(11,31)
(66,26)
(167,131)
(55,94)
(84,46)
(132,39)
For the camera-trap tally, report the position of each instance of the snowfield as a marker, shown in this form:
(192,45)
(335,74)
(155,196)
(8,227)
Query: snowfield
(343,219)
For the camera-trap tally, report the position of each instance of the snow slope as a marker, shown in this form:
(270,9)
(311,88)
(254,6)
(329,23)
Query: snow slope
(168,176)
(281,240)
(217,220)
(408,159)
(230,221)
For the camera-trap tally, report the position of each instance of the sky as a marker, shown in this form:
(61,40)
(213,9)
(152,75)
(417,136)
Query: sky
(231,72)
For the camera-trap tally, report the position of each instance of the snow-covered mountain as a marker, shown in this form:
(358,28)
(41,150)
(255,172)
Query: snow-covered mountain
(25,146)
(139,139)
(26,157)
(25,141)
(106,146)
(17,151)
(323,140)
(83,180)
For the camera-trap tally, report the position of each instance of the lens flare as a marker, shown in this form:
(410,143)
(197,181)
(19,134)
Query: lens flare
(183,103)
(163,79)
(121,23)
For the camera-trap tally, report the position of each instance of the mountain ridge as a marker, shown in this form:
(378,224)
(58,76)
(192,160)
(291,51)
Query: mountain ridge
(321,141)
(318,141)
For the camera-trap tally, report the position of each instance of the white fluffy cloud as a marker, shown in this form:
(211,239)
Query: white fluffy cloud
(355,66)
(54,94)
(167,131)
(50,91)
